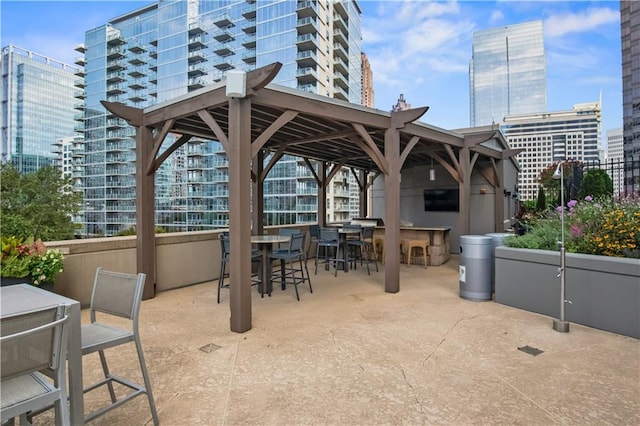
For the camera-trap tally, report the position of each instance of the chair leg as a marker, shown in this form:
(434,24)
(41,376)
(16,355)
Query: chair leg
(221,278)
(147,382)
(107,375)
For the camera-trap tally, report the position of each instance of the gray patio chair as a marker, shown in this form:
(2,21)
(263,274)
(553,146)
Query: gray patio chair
(328,240)
(31,342)
(364,247)
(293,263)
(225,252)
(116,294)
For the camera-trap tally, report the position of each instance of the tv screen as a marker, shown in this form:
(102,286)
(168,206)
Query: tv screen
(442,200)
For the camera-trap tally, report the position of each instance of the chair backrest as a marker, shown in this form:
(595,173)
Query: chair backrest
(314,231)
(288,232)
(116,293)
(367,233)
(296,244)
(225,245)
(33,341)
(328,234)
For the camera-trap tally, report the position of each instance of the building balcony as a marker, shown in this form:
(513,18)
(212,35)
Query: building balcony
(307,42)
(223,63)
(137,84)
(306,75)
(153,54)
(196,70)
(80,48)
(194,28)
(340,66)
(307,25)
(79,94)
(306,9)
(114,53)
(307,58)
(341,80)
(340,36)
(115,65)
(115,39)
(115,89)
(196,42)
(223,21)
(80,61)
(340,93)
(80,72)
(340,51)
(115,76)
(249,12)
(79,106)
(137,60)
(223,36)
(136,73)
(339,22)
(310,87)
(196,83)
(223,49)
(196,56)
(249,42)
(136,97)
(249,56)
(79,83)
(249,26)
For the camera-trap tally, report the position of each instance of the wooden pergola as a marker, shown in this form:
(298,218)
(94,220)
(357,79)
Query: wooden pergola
(278,120)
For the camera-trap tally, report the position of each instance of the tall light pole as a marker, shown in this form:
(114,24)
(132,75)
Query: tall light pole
(560,324)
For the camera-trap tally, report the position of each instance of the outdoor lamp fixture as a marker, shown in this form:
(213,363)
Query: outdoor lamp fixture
(561,324)
(432,172)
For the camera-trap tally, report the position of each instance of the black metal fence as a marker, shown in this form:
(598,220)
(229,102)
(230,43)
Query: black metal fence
(625,174)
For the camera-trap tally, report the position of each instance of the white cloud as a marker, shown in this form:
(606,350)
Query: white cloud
(583,21)
(496,16)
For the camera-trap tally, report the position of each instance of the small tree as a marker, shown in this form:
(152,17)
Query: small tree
(597,183)
(541,201)
(39,204)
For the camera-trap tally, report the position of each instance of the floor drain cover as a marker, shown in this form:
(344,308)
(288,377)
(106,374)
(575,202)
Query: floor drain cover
(530,350)
(209,348)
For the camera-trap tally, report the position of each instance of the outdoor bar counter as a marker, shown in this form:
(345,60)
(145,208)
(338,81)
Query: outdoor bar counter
(438,237)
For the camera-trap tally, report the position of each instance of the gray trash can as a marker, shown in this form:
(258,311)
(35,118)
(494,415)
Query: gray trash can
(475,267)
(498,240)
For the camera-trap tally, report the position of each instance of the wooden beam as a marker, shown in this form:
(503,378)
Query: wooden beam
(370,147)
(132,115)
(399,119)
(471,140)
(260,77)
(264,137)
(157,143)
(272,162)
(452,171)
(215,127)
(145,213)
(392,212)
(167,152)
(414,140)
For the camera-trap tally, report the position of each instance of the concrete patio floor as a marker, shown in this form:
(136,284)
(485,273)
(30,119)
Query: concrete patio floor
(351,354)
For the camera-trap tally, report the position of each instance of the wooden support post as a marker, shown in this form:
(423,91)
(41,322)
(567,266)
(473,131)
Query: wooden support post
(392,212)
(145,212)
(239,154)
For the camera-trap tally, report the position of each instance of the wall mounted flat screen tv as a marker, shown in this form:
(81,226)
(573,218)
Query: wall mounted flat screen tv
(442,200)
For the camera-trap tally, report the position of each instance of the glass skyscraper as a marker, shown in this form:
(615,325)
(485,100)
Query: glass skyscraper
(507,73)
(172,47)
(630,32)
(37,107)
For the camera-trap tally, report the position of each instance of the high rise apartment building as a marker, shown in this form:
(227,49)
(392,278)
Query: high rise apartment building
(551,137)
(368,95)
(615,156)
(170,48)
(507,73)
(401,105)
(37,107)
(630,33)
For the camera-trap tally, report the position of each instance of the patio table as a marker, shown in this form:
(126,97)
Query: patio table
(20,298)
(344,235)
(265,244)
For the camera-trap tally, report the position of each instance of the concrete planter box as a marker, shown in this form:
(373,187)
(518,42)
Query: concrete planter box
(604,291)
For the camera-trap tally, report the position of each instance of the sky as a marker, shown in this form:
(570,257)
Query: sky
(418,48)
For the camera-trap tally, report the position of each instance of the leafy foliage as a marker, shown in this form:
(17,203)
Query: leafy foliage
(29,258)
(597,183)
(602,227)
(39,204)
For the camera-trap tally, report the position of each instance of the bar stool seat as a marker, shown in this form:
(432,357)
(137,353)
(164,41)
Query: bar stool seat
(378,244)
(417,244)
